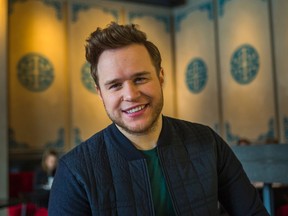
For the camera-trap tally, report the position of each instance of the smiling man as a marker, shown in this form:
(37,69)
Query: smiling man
(144,163)
(131,91)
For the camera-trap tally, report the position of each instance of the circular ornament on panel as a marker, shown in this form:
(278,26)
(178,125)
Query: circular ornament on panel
(244,64)
(35,72)
(196,75)
(87,79)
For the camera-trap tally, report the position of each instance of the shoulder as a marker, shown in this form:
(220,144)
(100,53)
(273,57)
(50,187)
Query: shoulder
(81,156)
(196,137)
(186,128)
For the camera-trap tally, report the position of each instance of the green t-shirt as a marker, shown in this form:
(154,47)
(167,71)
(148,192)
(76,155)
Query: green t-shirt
(161,198)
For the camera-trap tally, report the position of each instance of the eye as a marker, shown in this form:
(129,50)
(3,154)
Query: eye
(140,80)
(115,86)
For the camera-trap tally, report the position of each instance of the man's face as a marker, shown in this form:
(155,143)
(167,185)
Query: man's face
(130,89)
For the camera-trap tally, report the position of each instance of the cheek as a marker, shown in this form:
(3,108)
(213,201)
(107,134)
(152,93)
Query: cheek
(154,89)
(111,101)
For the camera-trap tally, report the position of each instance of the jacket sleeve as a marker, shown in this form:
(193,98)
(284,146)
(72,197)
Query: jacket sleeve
(67,196)
(235,191)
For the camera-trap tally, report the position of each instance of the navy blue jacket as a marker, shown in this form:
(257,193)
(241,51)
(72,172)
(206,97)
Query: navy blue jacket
(107,175)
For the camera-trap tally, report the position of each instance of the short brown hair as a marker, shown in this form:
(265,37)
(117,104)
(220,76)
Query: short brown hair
(116,36)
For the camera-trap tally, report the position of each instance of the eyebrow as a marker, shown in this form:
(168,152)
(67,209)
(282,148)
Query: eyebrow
(109,82)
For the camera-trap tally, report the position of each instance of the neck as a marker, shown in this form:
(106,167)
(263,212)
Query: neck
(148,140)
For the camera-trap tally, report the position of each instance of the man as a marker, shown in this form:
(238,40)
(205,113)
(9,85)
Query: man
(145,163)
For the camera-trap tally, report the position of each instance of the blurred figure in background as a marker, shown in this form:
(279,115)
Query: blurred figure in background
(44,176)
(243,142)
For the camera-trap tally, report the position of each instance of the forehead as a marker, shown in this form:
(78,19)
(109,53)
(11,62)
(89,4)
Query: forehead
(131,58)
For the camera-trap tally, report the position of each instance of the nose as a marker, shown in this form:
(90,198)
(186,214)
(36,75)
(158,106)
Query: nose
(130,92)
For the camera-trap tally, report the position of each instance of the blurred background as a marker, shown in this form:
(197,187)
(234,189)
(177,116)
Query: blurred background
(225,64)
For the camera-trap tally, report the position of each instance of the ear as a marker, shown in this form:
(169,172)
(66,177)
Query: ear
(161,76)
(98,90)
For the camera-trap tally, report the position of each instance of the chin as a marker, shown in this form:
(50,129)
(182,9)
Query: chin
(139,129)
(136,130)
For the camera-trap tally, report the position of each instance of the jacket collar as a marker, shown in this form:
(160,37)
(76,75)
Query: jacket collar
(125,147)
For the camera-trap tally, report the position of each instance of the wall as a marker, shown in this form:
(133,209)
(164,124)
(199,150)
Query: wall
(37,75)
(3,103)
(196,69)
(52,101)
(227,74)
(224,65)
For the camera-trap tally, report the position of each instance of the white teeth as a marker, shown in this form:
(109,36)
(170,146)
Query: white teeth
(136,109)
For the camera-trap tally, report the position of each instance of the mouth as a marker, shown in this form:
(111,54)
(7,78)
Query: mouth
(135,109)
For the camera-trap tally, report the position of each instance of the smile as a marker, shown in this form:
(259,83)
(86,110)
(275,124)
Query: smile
(136,109)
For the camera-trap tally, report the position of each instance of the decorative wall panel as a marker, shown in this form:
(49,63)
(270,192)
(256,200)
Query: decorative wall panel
(87,112)
(37,75)
(197,87)
(246,71)
(156,23)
